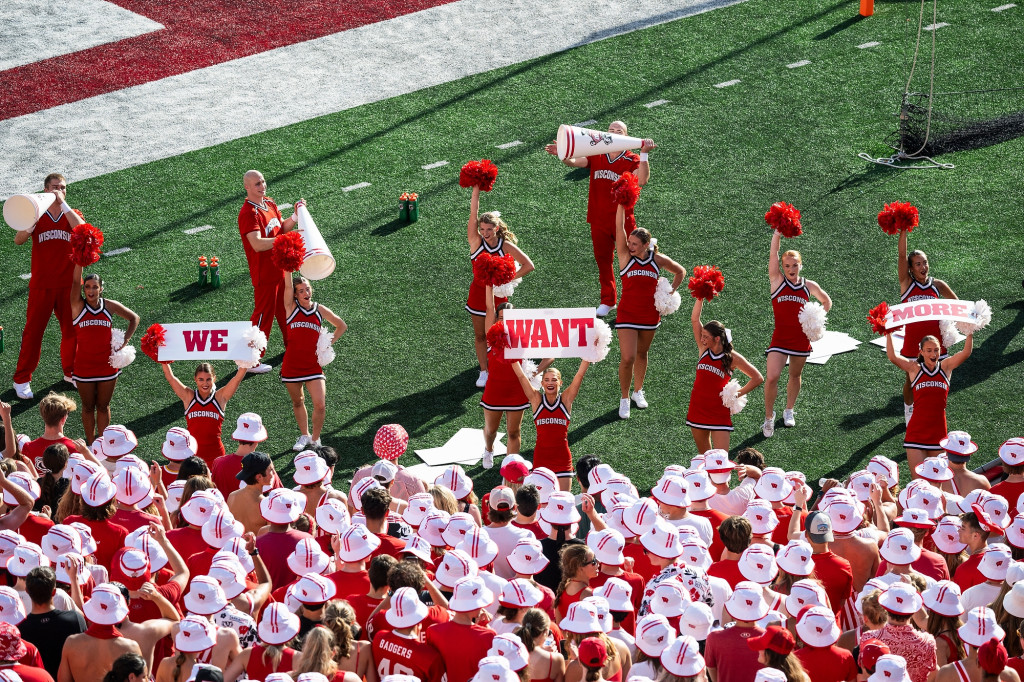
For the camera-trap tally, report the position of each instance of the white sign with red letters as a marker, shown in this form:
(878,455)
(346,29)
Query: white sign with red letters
(206,341)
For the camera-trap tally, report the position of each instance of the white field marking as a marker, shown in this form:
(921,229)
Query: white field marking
(509,145)
(436,164)
(797,65)
(588,122)
(33,30)
(117,252)
(864,46)
(1004,7)
(358,185)
(27,275)
(134,126)
(726,84)
(283,206)
(656,103)
(195,230)
(935,27)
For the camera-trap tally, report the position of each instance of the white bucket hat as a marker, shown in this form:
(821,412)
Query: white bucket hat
(598,478)
(527,557)
(947,535)
(520,594)
(432,526)
(1015,573)
(935,469)
(308,558)
(670,599)
(757,564)
(282,506)
(406,609)
(890,668)
(455,479)
(846,515)
(98,490)
(420,549)
(581,619)
(662,540)
(106,606)
(796,558)
(205,596)
(26,483)
(618,593)
(943,598)
(698,485)
(697,621)
(995,560)
(278,625)
(695,553)
(545,480)
(869,588)
(1014,532)
(9,540)
(928,498)
(25,557)
(313,588)
(12,610)
(491,669)
(249,428)
(221,527)
(772,485)
(607,546)
(174,492)
(671,490)
(915,518)
(511,648)
(419,505)
(469,594)
(332,516)
(179,444)
(561,509)
(1012,451)
(747,602)
(455,530)
(653,634)
(65,563)
(454,566)
(899,549)
(141,540)
(60,539)
(355,494)
(479,546)
(910,489)
(604,612)
(682,657)
(131,462)
(798,480)
(901,598)
(817,627)
(762,517)
(980,626)
(310,468)
(237,547)
(118,441)
(201,506)
(1013,601)
(357,544)
(996,511)
(81,470)
(886,468)
(958,443)
(860,484)
(640,518)
(613,519)
(717,461)
(620,489)
(228,572)
(195,634)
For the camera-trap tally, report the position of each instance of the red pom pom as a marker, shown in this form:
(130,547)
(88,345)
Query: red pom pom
(707,282)
(391,441)
(899,216)
(289,251)
(152,340)
(785,218)
(876,318)
(626,190)
(494,270)
(86,241)
(497,341)
(480,174)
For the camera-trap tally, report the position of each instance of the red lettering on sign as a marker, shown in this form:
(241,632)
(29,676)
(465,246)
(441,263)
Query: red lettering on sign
(217,337)
(901,314)
(583,323)
(539,339)
(940,308)
(923,309)
(519,333)
(960,309)
(195,339)
(560,333)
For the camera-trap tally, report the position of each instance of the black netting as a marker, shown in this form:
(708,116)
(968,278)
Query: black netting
(959,120)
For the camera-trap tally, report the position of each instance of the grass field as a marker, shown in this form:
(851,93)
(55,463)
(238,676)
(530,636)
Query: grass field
(725,155)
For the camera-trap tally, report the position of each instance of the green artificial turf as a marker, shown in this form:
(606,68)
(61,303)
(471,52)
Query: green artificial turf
(724,156)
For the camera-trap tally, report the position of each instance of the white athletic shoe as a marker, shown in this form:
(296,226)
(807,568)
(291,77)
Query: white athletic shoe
(624,408)
(261,368)
(301,443)
(787,418)
(24,391)
(908,412)
(70,380)
(316,443)
(640,400)
(481,380)
(488,459)
(603,309)
(768,428)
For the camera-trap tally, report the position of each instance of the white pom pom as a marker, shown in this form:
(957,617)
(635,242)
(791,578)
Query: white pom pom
(119,359)
(116,338)
(813,319)
(505,290)
(732,399)
(256,340)
(947,328)
(529,368)
(666,301)
(982,315)
(324,348)
(600,338)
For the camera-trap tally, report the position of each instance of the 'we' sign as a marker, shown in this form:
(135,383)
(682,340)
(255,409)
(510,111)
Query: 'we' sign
(206,341)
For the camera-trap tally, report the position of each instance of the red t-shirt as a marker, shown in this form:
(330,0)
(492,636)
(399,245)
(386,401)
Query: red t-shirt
(728,570)
(967,574)
(715,517)
(461,647)
(828,664)
(605,169)
(51,253)
(108,535)
(727,652)
(389,545)
(641,564)
(275,548)
(265,220)
(533,528)
(928,564)
(363,605)
(199,564)
(1011,491)
(397,655)
(780,535)
(140,610)
(29,673)
(836,576)
(223,473)
(637,583)
(186,541)
(34,449)
(35,527)
(350,583)
(133,519)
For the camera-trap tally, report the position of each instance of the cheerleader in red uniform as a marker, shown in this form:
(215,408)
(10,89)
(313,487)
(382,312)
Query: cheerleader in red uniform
(92,317)
(301,367)
(790,292)
(916,285)
(204,407)
(552,411)
(929,377)
(708,418)
(488,234)
(636,318)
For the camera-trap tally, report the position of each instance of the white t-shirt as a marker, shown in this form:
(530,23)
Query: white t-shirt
(699,524)
(506,538)
(981,594)
(735,502)
(62,601)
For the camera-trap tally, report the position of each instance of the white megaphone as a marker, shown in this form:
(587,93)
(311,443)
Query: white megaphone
(22,211)
(573,141)
(319,262)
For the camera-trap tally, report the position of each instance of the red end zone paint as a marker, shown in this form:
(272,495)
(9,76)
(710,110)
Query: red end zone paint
(199,34)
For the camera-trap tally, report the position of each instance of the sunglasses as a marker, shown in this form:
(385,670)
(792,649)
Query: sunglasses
(315,607)
(592,562)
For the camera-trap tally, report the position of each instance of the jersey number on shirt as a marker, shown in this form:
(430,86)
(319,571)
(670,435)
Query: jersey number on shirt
(382,669)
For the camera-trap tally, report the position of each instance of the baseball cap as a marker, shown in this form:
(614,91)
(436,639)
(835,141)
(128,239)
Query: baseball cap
(819,527)
(252,464)
(592,652)
(502,499)
(778,639)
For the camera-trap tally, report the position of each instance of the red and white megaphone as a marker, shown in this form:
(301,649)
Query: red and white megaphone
(573,141)
(318,263)
(22,211)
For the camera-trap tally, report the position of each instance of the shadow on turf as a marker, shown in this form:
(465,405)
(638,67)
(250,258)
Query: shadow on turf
(19,406)
(990,357)
(581,431)
(840,27)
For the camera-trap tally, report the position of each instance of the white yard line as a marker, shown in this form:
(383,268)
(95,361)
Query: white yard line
(797,65)
(358,185)
(27,275)
(726,84)
(584,124)
(935,27)
(196,230)
(1003,8)
(117,252)
(656,103)
(509,145)
(864,46)
(436,164)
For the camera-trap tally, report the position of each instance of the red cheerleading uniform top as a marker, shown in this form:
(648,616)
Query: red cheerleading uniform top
(300,360)
(706,408)
(477,304)
(204,419)
(51,253)
(257,669)
(92,334)
(502,392)
(605,169)
(913,332)
(552,447)
(265,219)
(636,307)
(928,421)
(788,337)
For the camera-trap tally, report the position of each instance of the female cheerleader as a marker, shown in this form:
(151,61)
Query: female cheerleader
(916,285)
(204,407)
(93,375)
(551,415)
(790,292)
(489,234)
(929,377)
(708,418)
(636,317)
(300,366)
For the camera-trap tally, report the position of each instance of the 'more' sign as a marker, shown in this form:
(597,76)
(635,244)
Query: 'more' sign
(548,332)
(924,311)
(206,341)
